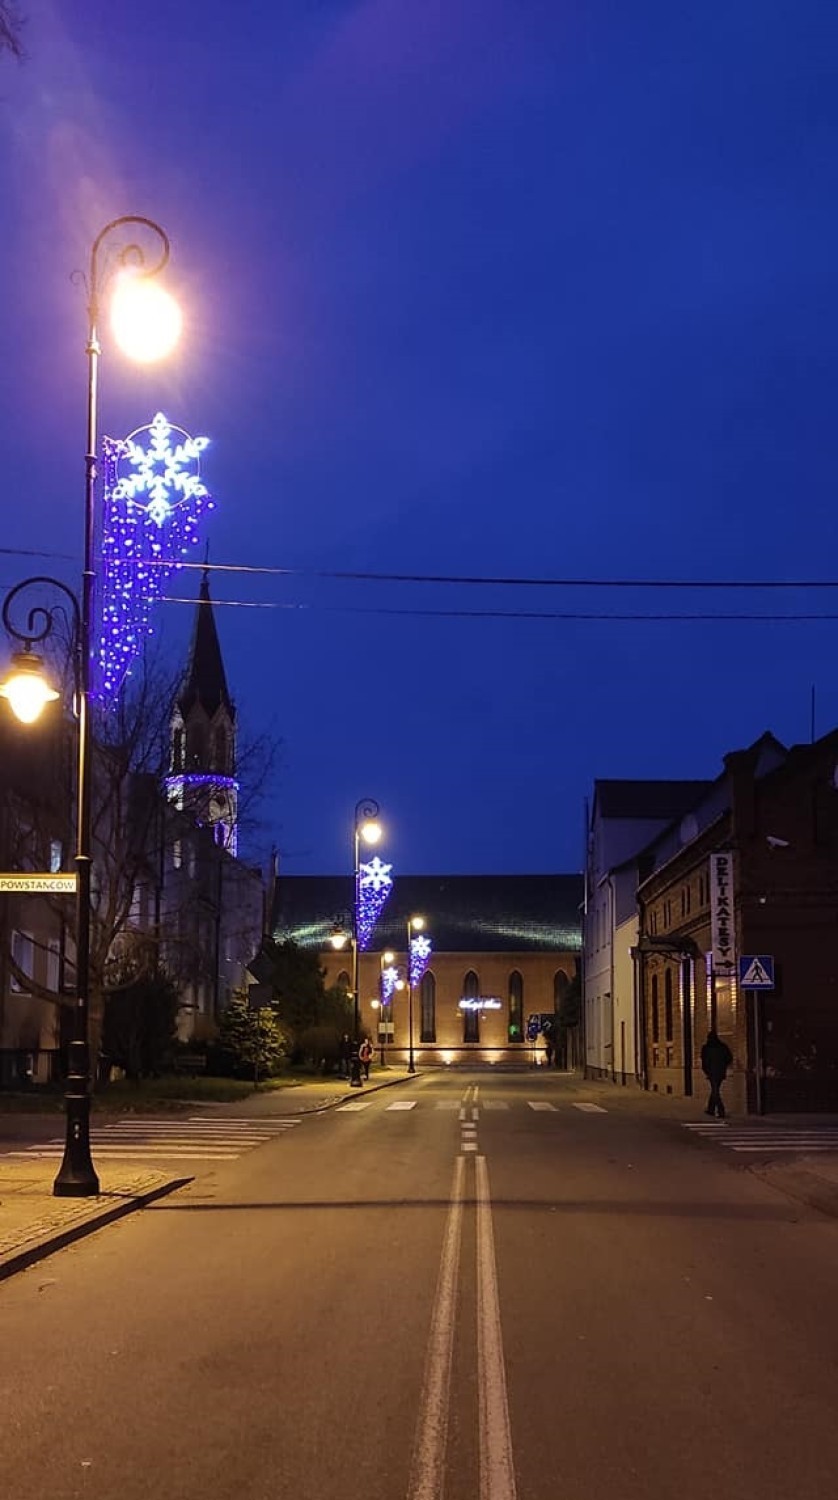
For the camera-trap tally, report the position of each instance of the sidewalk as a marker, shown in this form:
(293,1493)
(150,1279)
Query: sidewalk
(809,1177)
(33,1223)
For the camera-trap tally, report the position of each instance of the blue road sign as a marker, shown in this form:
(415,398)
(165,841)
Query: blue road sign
(533,1027)
(756,971)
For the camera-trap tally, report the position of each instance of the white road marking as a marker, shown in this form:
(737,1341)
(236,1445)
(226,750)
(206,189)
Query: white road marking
(428,1462)
(495,1104)
(592,1109)
(402,1104)
(182,1153)
(497,1470)
(354,1106)
(450,1104)
(777,1146)
(468,1146)
(541,1104)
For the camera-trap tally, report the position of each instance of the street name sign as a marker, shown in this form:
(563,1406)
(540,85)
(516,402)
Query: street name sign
(42,884)
(756,971)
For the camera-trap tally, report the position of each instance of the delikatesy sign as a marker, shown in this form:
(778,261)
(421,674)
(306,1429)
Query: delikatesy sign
(722,926)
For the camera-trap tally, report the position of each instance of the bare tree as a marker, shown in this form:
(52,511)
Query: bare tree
(11,29)
(139,921)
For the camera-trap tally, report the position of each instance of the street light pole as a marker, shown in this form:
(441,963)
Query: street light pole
(414,924)
(146,322)
(366,827)
(77,1175)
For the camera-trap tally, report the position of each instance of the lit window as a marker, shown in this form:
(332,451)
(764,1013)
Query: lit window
(56,851)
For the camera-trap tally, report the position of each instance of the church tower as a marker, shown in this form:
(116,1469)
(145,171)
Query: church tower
(202,742)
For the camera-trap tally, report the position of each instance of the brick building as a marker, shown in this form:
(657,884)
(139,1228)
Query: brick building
(774,812)
(504,947)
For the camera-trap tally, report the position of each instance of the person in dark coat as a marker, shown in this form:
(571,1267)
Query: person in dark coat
(716,1058)
(345,1054)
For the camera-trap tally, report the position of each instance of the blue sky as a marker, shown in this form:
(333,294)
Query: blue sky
(507,288)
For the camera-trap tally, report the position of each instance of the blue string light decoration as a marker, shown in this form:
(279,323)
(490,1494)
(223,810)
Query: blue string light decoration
(420,957)
(153,502)
(388,983)
(374,886)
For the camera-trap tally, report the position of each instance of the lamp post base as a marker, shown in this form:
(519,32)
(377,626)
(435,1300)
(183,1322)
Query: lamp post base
(77,1175)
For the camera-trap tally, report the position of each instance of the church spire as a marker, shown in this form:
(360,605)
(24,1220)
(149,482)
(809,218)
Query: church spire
(202,777)
(205,682)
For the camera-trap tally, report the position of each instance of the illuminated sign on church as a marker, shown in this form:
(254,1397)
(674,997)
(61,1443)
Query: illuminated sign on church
(481,1002)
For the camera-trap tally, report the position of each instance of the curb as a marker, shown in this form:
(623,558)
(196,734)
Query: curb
(369,1088)
(21,1259)
(801,1184)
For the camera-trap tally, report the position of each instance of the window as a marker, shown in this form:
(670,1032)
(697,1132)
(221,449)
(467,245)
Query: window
(23,953)
(667,1004)
(343,981)
(516,1007)
(177,750)
(177,854)
(56,851)
(427,1004)
(655,1014)
(471,1018)
(686,900)
(53,964)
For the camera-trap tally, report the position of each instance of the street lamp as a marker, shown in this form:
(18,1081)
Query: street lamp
(367,830)
(414,924)
(145,324)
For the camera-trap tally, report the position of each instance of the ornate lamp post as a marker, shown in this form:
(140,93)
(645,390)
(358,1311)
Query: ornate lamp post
(146,323)
(414,924)
(368,830)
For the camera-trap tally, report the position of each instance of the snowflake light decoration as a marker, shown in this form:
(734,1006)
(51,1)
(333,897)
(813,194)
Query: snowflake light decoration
(420,957)
(374,885)
(153,501)
(388,983)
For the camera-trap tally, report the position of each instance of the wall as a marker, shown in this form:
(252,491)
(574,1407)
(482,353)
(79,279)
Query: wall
(537,970)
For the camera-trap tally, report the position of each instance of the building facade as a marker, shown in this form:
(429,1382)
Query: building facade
(771,818)
(624,817)
(505,949)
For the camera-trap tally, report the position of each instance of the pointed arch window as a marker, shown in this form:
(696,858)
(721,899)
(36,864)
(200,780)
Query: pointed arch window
(343,982)
(655,1010)
(516,1007)
(471,1018)
(177,750)
(667,1005)
(427,1004)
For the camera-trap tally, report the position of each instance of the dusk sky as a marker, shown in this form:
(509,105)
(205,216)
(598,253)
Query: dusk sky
(512,288)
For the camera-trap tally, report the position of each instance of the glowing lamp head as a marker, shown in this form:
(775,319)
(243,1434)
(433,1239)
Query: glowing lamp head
(370,831)
(145,319)
(27,688)
(388,958)
(338,938)
(416,924)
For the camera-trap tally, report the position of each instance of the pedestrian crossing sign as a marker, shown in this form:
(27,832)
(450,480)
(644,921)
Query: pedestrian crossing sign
(756,971)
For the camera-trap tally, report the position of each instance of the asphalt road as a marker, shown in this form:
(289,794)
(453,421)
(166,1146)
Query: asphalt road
(469,1297)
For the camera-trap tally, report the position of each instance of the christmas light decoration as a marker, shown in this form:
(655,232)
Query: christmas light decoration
(153,501)
(374,886)
(420,957)
(388,983)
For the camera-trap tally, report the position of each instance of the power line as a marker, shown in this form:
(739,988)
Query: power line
(504,614)
(491,580)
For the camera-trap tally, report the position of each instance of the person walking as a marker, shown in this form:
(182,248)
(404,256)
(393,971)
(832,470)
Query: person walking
(344,1054)
(716,1058)
(365,1055)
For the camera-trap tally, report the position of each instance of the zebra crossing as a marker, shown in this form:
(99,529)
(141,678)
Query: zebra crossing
(765,1139)
(197,1138)
(539,1106)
